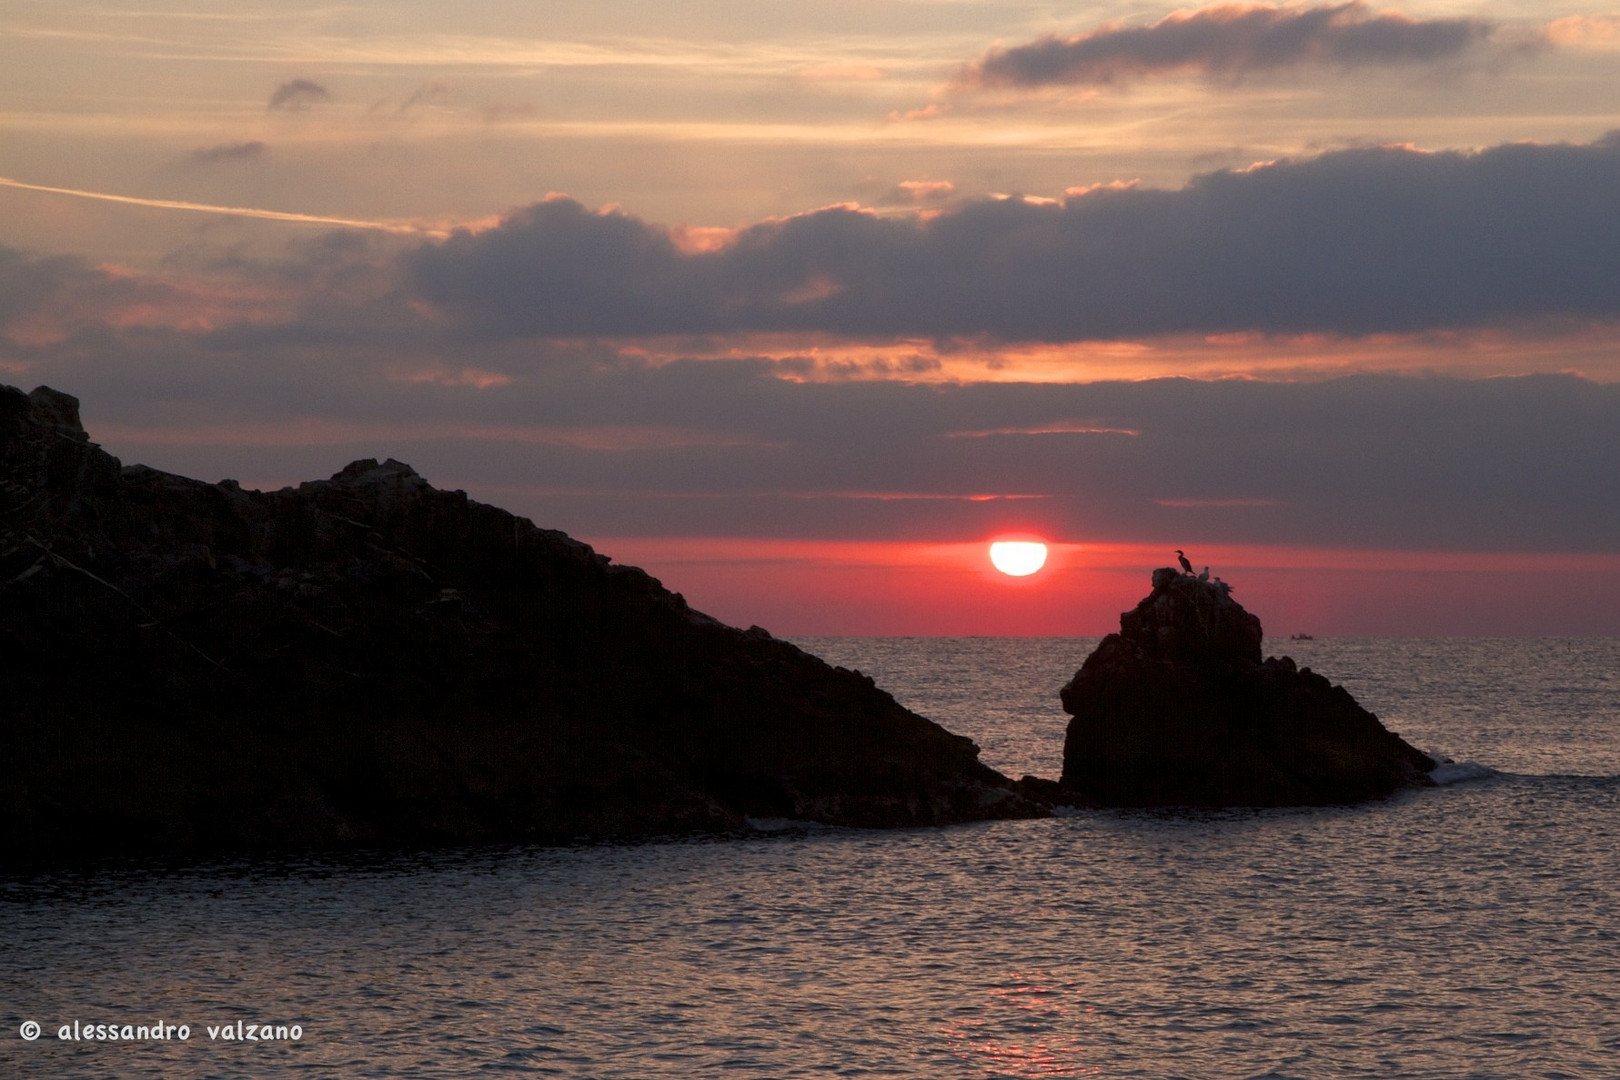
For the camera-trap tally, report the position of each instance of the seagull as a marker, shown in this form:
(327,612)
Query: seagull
(1185,565)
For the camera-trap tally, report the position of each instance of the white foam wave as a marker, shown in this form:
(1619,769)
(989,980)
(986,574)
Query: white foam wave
(786,825)
(1447,771)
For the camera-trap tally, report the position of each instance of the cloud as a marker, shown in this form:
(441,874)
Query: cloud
(236,151)
(1590,32)
(48,301)
(425,93)
(906,193)
(924,191)
(298,94)
(1229,41)
(1516,464)
(1354,242)
(925,112)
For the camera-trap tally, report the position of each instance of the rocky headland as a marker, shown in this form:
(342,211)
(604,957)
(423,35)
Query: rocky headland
(367,660)
(1178,709)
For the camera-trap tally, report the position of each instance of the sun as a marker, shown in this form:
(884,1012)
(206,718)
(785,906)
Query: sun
(1017,558)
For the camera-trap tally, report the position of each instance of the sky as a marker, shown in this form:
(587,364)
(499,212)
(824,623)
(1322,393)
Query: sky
(799,306)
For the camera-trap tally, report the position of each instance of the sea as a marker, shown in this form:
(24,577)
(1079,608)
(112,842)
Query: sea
(1471,930)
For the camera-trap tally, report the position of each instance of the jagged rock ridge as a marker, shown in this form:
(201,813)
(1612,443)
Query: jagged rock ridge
(1178,709)
(367,659)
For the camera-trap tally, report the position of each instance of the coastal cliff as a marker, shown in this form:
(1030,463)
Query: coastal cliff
(369,660)
(1178,709)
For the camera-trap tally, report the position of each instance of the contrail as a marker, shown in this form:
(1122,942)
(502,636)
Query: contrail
(234,211)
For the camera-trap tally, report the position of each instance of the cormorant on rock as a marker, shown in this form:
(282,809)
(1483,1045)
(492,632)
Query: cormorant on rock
(1179,709)
(1181,556)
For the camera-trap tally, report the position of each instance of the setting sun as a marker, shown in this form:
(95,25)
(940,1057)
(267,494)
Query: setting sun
(1017,558)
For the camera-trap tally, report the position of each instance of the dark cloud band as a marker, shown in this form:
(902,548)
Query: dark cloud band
(1230,41)
(1354,242)
(723,448)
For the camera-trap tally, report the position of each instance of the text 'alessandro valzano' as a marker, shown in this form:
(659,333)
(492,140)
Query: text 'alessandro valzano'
(241,1031)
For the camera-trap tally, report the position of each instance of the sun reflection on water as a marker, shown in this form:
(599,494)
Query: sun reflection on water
(1028,1026)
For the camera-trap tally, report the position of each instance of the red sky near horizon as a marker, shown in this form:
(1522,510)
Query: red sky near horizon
(828,589)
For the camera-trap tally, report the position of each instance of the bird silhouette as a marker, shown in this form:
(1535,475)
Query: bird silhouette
(1182,556)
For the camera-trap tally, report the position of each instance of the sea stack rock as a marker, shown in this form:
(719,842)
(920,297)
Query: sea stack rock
(1178,709)
(369,660)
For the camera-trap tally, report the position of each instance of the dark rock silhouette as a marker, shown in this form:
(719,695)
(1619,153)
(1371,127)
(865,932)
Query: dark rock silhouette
(368,660)
(1177,709)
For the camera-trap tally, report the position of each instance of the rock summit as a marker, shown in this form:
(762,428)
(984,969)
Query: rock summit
(1178,709)
(367,660)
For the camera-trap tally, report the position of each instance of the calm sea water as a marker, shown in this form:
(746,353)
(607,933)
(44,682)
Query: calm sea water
(1467,931)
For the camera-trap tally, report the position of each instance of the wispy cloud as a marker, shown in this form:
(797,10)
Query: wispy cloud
(235,151)
(1217,504)
(297,94)
(1230,41)
(232,211)
(425,93)
(1056,427)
